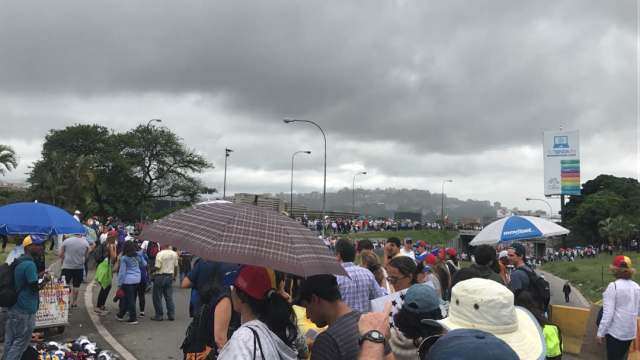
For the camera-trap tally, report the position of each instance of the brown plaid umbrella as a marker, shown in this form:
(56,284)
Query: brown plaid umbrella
(245,234)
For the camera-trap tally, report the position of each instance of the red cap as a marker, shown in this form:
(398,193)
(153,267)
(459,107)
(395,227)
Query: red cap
(452,252)
(622,261)
(431,259)
(254,281)
(422,243)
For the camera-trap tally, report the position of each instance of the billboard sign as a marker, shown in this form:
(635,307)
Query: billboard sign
(561,162)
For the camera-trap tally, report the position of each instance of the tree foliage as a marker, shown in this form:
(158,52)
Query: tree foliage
(99,171)
(8,160)
(608,210)
(617,230)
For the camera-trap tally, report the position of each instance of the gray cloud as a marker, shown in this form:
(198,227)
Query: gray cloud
(446,76)
(411,90)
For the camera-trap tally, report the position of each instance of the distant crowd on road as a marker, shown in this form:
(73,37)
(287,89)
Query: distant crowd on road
(341,225)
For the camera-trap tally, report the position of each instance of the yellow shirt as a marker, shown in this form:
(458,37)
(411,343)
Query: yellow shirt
(166,262)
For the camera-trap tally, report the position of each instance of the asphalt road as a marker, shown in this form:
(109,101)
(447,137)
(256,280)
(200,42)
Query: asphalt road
(150,340)
(557,296)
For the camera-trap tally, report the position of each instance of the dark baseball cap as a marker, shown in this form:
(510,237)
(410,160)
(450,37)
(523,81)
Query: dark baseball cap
(471,344)
(519,249)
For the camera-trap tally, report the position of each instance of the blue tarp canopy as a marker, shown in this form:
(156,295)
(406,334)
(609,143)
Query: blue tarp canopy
(37,218)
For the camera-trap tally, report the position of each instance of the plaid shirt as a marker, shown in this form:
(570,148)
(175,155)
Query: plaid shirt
(359,288)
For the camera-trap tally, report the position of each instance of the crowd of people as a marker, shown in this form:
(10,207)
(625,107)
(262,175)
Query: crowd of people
(133,266)
(340,225)
(401,300)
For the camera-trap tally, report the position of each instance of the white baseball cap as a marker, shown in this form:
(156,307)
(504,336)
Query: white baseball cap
(503,254)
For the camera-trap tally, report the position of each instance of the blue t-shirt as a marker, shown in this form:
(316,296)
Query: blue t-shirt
(24,276)
(519,279)
(206,271)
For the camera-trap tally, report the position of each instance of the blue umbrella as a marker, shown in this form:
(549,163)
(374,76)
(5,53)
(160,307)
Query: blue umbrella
(37,218)
(517,228)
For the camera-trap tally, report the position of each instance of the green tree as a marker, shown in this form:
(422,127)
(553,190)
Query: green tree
(90,168)
(617,230)
(162,164)
(604,197)
(8,160)
(70,168)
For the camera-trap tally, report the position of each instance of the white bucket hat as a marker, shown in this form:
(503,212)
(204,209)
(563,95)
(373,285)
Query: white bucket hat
(486,305)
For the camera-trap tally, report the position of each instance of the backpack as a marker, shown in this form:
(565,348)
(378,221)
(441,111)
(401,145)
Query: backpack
(8,291)
(198,340)
(538,288)
(152,249)
(100,253)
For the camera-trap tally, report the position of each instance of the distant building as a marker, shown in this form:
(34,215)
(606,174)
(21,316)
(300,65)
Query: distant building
(265,201)
(12,186)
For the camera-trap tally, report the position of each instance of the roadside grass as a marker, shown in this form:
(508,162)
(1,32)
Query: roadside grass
(49,256)
(591,276)
(433,237)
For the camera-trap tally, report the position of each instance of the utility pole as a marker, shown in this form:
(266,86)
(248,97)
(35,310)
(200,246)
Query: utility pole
(224,186)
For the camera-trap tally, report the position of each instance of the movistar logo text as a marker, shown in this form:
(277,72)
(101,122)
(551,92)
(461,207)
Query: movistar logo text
(518,232)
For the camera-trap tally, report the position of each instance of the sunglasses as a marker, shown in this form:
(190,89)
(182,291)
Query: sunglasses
(426,344)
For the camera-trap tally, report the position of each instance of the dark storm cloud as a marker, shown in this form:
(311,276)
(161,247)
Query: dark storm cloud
(446,76)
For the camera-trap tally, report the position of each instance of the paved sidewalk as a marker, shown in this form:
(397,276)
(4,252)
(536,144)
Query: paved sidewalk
(150,340)
(576,298)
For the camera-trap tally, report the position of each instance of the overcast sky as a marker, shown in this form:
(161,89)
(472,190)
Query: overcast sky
(411,91)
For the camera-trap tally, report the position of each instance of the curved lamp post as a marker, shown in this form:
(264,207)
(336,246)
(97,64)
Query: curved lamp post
(544,201)
(324,188)
(293,157)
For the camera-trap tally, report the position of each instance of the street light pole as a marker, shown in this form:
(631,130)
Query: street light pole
(353,200)
(442,209)
(544,201)
(153,120)
(292,157)
(324,187)
(224,186)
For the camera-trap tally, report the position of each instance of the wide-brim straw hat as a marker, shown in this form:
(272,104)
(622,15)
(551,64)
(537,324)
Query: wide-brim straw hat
(487,305)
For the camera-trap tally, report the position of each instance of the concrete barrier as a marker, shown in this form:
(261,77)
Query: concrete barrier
(573,325)
(578,327)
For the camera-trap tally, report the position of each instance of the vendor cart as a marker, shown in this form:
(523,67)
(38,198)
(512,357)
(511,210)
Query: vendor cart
(53,312)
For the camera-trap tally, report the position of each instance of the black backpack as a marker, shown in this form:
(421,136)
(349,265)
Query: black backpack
(8,291)
(538,288)
(199,333)
(100,253)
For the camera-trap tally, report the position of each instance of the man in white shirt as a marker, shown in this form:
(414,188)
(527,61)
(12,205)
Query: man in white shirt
(166,265)
(407,249)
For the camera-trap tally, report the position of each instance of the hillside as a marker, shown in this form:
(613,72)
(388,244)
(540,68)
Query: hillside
(385,202)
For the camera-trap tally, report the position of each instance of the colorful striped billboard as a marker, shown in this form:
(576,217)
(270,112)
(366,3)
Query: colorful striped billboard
(561,163)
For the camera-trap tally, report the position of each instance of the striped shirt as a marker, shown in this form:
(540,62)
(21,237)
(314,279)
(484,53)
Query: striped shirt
(340,340)
(359,288)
